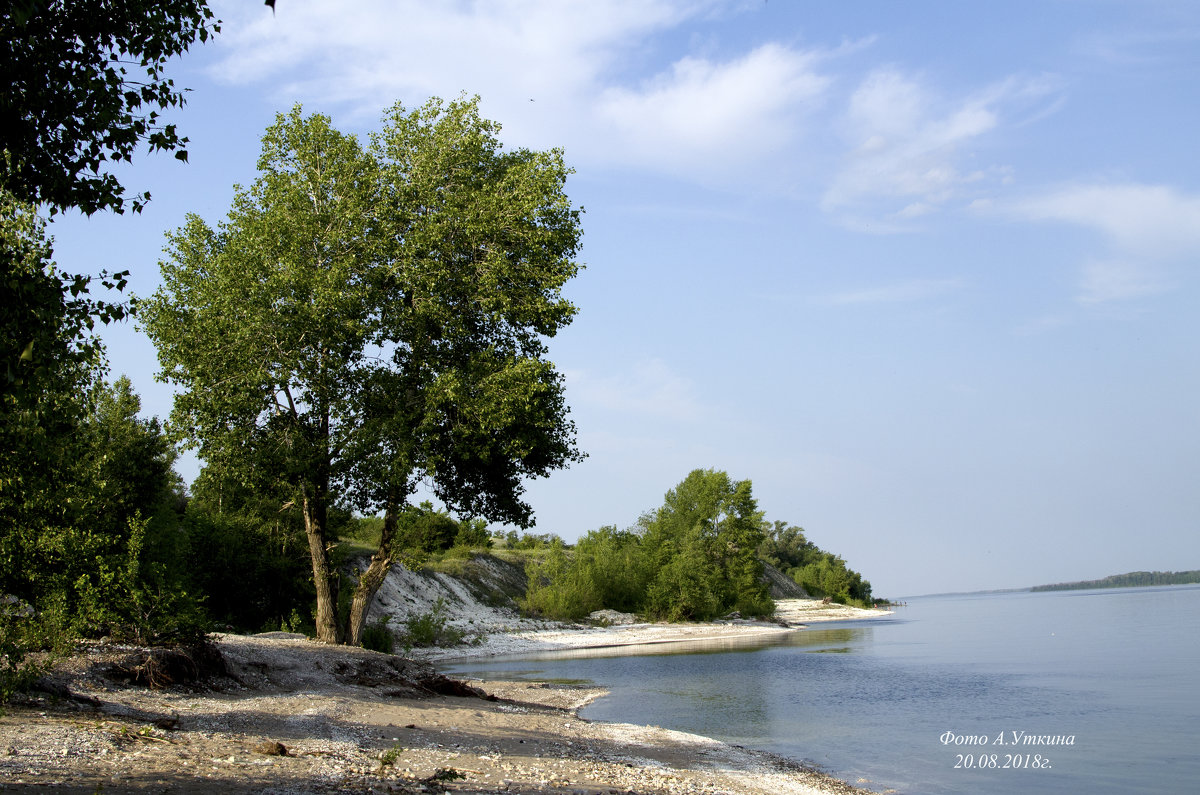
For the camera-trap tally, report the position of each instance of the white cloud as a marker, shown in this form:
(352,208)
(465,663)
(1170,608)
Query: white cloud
(1137,48)
(366,56)
(584,75)
(908,146)
(723,113)
(1150,220)
(1147,229)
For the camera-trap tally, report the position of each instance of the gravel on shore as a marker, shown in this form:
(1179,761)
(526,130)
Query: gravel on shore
(291,715)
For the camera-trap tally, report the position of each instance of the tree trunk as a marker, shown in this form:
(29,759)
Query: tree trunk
(324,577)
(371,579)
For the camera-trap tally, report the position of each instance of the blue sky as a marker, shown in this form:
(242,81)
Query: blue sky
(925,272)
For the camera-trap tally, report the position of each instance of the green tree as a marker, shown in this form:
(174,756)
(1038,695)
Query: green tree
(47,318)
(70,105)
(704,543)
(130,459)
(606,569)
(422,529)
(559,587)
(85,82)
(819,572)
(247,553)
(615,563)
(364,320)
(695,558)
(53,366)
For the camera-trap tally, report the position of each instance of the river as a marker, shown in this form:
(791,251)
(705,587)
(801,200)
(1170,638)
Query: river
(1061,692)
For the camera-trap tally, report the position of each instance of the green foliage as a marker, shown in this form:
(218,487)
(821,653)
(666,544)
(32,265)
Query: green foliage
(250,560)
(377,637)
(693,559)
(704,542)
(423,529)
(51,372)
(697,557)
(422,532)
(434,245)
(391,755)
(529,541)
(560,588)
(820,573)
(133,586)
(17,671)
(88,513)
(24,631)
(367,530)
(431,629)
(612,560)
(47,317)
(84,86)
(76,480)
(1133,579)
(473,534)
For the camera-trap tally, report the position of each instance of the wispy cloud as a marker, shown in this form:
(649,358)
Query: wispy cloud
(1147,228)
(556,73)
(908,146)
(1148,46)
(651,389)
(1114,280)
(510,51)
(1155,220)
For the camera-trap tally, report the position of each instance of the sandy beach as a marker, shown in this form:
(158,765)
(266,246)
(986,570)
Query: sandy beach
(625,632)
(296,716)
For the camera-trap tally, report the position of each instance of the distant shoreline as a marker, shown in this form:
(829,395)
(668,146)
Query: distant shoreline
(1133,579)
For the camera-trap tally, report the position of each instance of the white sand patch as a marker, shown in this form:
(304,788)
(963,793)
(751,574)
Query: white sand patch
(797,612)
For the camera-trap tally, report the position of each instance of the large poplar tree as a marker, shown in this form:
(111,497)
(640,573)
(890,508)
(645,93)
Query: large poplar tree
(369,318)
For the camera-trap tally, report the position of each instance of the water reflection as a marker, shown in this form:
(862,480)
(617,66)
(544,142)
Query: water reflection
(870,699)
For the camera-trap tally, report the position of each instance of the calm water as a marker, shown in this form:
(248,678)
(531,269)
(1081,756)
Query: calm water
(869,701)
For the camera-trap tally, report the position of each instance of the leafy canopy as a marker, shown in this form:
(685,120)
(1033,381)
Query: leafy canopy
(366,318)
(694,558)
(85,85)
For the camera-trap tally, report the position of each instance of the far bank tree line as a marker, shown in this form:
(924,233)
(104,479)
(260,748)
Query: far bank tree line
(699,556)
(1132,579)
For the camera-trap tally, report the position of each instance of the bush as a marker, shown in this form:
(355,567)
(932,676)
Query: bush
(431,629)
(424,529)
(559,588)
(364,529)
(129,600)
(251,562)
(513,540)
(377,637)
(458,552)
(473,533)
(820,573)
(693,559)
